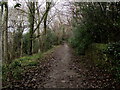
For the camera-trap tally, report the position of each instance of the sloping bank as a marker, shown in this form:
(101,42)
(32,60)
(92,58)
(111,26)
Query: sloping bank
(106,57)
(23,72)
(102,70)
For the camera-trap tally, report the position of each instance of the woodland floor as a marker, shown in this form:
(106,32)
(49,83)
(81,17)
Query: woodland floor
(63,69)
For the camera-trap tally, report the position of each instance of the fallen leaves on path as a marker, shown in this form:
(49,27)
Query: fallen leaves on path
(62,69)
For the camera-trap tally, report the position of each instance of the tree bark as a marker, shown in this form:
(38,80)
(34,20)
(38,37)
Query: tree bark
(1,35)
(31,21)
(45,19)
(38,30)
(6,34)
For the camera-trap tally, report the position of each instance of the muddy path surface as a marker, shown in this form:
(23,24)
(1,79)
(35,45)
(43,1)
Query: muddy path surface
(63,69)
(70,71)
(61,75)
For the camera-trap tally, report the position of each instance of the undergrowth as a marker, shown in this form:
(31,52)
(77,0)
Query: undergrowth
(100,55)
(15,69)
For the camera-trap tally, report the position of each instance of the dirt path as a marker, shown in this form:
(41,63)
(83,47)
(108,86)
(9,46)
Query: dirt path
(62,69)
(69,71)
(61,75)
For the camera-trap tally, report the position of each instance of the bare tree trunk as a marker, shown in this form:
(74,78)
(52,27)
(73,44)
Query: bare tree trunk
(6,34)
(2,31)
(13,45)
(38,30)
(21,48)
(1,47)
(48,4)
(21,39)
(2,42)
(31,21)
(0,34)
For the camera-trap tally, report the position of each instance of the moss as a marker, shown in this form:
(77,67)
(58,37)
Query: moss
(32,63)
(101,46)
(95,53)
(16,67)
(102,60)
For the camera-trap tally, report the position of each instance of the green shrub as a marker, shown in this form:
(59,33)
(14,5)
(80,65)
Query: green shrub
(101,46)
(15,64)
(113,54)
(113,51)
(17,73)
(26,45)
(16,67)
(36,56)
(25,58)
(95,54)
(81,39)
(49,40)
(5,71)
(32,63)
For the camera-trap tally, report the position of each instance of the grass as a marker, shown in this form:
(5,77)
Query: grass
(95,52)
(100,46)
(96,55)
(102,60)
(16,68)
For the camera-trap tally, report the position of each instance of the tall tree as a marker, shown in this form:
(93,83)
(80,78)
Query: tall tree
(0,31)
(6,33)
(4,6)
(31,7)
(48,4)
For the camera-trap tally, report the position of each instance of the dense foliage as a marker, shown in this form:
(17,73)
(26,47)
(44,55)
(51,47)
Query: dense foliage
(113,52)
(95,34)
(16,68)
(101,20)
(50,40)
(98,23)
(81,39)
